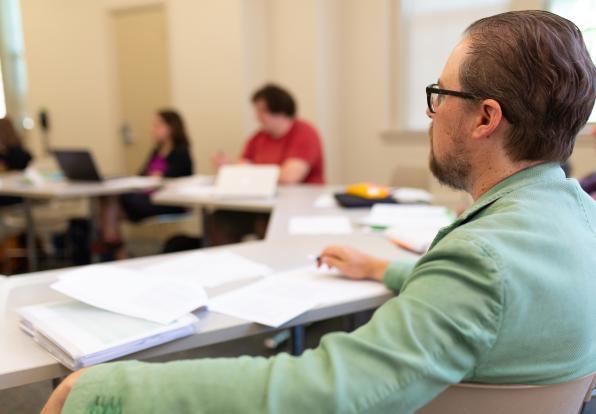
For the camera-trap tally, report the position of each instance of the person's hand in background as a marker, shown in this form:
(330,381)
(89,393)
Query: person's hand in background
(218,160)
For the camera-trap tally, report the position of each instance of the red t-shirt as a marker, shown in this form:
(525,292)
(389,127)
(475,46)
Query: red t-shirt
(301,141)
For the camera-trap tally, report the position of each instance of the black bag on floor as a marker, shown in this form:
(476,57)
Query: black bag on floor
(78,237)
(181,243)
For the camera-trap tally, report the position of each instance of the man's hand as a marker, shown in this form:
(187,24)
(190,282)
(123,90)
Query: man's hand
(353,263)
(60,394)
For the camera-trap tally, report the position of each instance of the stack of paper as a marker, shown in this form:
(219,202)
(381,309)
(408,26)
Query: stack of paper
(410,227)
(314,225)
(159,299)
(208,269)
(284,296)
(79,335)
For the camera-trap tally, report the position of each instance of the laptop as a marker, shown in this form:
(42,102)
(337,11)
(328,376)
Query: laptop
(251,181)
(78,165)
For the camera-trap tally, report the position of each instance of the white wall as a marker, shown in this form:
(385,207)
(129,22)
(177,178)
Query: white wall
(69,73)
(207,73)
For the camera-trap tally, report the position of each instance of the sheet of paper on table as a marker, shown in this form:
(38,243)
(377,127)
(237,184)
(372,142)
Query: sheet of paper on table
(128,292)
(283,296)
(208,269)
(321,224)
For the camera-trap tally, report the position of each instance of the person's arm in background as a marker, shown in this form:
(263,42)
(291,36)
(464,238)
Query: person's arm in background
(220,159)
(293,171)
(429,337)
(301,157)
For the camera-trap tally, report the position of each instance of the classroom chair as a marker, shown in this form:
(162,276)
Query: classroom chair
(467,398)
(149,236)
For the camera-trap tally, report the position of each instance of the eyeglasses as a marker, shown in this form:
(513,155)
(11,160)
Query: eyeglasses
(434,96)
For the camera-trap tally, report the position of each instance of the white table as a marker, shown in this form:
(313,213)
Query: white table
(206,202)
(289,201)
(24,362)
(16,185)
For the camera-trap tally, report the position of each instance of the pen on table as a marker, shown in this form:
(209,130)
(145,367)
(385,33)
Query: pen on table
(316,258)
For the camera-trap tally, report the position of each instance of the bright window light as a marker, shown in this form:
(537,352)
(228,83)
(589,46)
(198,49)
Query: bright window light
(2,96)
(580,12)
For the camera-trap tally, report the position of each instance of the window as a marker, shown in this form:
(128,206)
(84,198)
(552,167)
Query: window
(2,96)
(13,75)
(430,30)
(582,13)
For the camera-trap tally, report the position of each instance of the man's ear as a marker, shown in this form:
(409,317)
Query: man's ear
(488,119)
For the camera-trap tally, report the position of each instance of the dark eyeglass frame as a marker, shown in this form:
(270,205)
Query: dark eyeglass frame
(433,88)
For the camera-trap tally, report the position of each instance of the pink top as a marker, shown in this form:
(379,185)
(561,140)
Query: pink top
(158,164)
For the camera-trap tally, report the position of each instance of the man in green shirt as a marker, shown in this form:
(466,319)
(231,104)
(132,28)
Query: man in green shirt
(506,294)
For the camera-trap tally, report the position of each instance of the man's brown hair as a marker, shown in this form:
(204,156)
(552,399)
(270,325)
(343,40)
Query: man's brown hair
(277,99)
(536,65)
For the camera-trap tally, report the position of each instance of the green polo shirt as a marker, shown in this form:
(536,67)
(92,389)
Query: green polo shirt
(506,294)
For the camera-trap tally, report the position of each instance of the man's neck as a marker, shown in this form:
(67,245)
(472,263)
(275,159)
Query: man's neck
(492,174)
(283,128)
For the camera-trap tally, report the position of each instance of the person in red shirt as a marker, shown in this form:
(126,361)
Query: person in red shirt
(283,139)
(291,143)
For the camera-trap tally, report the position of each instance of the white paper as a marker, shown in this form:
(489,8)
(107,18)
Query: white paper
(388,215)
(196,190)
(324,286)
(128,292)
(34,176)
(133,182)
(412,195)
(410,227)
(261,305)
(282,297)
(313,225)
(414,238)
(325,201)
(208,269)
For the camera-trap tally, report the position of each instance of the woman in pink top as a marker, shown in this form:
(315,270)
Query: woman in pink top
(170,158)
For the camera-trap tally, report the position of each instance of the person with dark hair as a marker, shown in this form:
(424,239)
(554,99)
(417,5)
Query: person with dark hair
(284,140)
(291,143)
(170,158)
(13,155)
(505,294)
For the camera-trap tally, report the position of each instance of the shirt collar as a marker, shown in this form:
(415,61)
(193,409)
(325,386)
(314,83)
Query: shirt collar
(542,172)
(537,173)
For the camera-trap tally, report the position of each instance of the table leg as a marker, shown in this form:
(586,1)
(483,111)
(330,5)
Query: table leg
(298,339)
(56,382)
(93,226)
(205,224)
(32,258)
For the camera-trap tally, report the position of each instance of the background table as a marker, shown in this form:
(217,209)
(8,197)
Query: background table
(16,185)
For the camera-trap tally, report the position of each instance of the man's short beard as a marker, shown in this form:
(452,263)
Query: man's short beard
(454,170)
